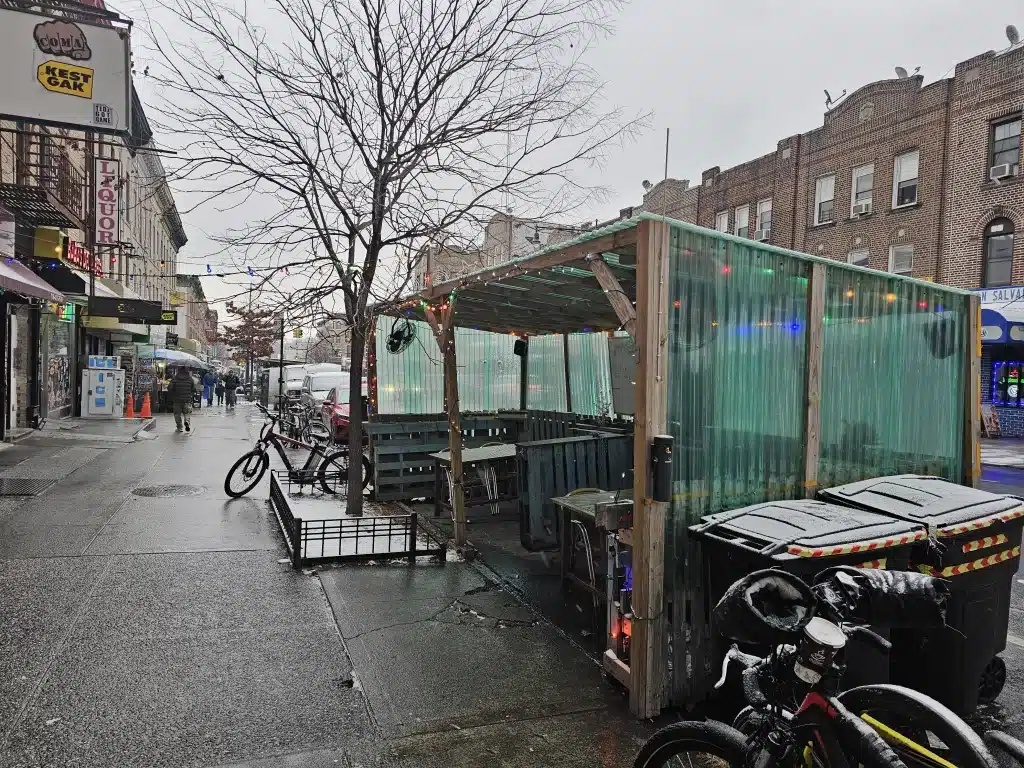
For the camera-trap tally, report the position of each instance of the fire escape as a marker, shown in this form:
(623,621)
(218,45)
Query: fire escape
(39,182)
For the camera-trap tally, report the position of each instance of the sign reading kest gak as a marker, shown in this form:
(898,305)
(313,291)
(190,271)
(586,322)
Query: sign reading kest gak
(108,190)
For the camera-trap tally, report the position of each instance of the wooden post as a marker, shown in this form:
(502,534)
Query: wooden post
(815,349)
(647,655)
(972,395)
(568,381)
(616,296)
(451,391)
(371,369)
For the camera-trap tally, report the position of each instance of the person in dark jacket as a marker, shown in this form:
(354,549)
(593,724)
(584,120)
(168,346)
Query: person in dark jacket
(231,383)
(218,390)
(182,391)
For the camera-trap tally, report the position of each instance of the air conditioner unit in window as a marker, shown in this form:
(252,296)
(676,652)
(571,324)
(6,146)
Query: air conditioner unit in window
(862,208)
(762,234)
(1003,171)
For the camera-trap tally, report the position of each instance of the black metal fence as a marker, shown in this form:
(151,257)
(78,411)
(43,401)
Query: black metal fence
(352,539)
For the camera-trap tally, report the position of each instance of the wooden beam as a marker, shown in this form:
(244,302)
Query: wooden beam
(812,384)
(611,242)
(617,297)
(647,655)
(568,380)
(451,392)
(972,395)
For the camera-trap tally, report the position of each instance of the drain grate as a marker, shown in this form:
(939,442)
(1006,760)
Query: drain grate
(24,486)
(169,490)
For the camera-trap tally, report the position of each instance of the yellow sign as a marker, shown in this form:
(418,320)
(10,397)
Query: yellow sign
(170,316)
(177,299)
(297,333)
(70,79)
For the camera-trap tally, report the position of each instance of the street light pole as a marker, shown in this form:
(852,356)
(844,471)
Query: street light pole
(280,369)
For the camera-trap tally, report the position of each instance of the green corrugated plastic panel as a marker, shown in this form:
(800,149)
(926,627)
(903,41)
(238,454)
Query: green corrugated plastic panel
(892,378)
(736,361)
(413,381)
(589,376)
(545,371)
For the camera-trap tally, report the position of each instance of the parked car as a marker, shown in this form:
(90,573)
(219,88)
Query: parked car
(317,385)
(334,411)
(295,376)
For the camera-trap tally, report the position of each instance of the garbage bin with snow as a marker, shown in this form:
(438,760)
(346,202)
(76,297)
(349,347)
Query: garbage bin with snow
(974,542)
(804,537)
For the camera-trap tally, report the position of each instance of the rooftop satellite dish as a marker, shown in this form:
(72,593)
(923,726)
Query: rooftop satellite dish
(647,184)
(1012,34)
(901,73)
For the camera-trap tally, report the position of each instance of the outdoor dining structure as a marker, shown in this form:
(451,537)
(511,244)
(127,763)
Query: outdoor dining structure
(760,373)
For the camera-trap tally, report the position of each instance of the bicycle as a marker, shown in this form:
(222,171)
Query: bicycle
(795,715)
(321,466)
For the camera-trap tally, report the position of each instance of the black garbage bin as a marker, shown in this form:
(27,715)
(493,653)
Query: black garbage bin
(974,542)
(804,537)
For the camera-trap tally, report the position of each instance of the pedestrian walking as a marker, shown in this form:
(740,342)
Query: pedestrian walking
(209,382)
(182,391)
(219,390)
(231,383)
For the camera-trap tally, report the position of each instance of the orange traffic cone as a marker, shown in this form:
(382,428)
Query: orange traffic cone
(130,413)
(145,413)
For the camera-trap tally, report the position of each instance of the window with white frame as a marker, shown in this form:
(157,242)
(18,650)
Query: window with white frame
(859,257)
(722,221)
(901,259)
(904,179)
(1006,144)
(741,226)
(863,186)
(824,199)
(764,216)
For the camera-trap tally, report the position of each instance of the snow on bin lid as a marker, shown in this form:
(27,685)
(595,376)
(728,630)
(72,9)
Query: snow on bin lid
(809,528)
(946,508)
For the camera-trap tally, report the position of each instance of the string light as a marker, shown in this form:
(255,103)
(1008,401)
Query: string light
(209,271)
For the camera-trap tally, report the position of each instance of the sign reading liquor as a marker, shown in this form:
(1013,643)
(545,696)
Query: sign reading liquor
(65,70)
(108,189)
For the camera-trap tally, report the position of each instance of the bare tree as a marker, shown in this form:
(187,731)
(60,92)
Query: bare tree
(352,132)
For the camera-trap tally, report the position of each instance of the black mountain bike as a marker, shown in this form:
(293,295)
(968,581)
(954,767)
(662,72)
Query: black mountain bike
(796,717)
(323,466)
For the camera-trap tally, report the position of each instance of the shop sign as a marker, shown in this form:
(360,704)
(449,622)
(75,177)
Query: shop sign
(1001,296)
(132,311)
(77,255)
(108,175)
(177,299)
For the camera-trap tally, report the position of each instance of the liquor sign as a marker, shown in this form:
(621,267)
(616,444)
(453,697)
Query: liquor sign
(77,255)
(108,190)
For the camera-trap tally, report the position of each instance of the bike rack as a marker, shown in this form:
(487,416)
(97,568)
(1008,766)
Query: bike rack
(350,539)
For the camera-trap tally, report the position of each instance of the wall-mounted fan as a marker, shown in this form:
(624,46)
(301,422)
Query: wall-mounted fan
(403,333)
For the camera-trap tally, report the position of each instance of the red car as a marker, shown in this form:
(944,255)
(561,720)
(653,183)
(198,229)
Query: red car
(335,414)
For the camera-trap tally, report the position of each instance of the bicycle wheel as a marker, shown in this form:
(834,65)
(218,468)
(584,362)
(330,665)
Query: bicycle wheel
(922,732)
(333,472)
(316,432)
(246,472)
(694,745)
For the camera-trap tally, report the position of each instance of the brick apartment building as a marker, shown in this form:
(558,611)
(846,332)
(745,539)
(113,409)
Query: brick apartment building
(898,177)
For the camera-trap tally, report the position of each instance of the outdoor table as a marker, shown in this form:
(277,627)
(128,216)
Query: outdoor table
(484,459)
(584,507)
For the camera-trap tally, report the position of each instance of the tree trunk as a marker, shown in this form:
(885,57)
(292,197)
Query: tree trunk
(355,418)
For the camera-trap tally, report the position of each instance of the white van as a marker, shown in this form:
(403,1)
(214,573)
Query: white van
(294,376)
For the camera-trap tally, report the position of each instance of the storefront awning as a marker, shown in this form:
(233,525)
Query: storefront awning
(16,277)
(100,288)
(1002,325)
(113,324)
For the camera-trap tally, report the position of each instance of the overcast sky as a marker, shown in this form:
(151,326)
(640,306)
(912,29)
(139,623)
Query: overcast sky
(729,79)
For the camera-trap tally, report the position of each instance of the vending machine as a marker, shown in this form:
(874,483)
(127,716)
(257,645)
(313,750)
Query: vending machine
(103,388)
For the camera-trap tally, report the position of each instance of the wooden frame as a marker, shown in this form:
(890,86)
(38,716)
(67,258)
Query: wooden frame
(972,396)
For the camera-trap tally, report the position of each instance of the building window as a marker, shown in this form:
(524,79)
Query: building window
(722,221)
(901,259)
(998,254)
(862,188)
(764,216)
(858,258)
(904,179)
(824,199)
(1006,144)
(742,221)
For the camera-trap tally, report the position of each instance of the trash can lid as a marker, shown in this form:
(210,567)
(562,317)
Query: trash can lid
(808,528)
(946,508)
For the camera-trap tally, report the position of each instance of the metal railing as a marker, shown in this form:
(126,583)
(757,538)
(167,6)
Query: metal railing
(43,158)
